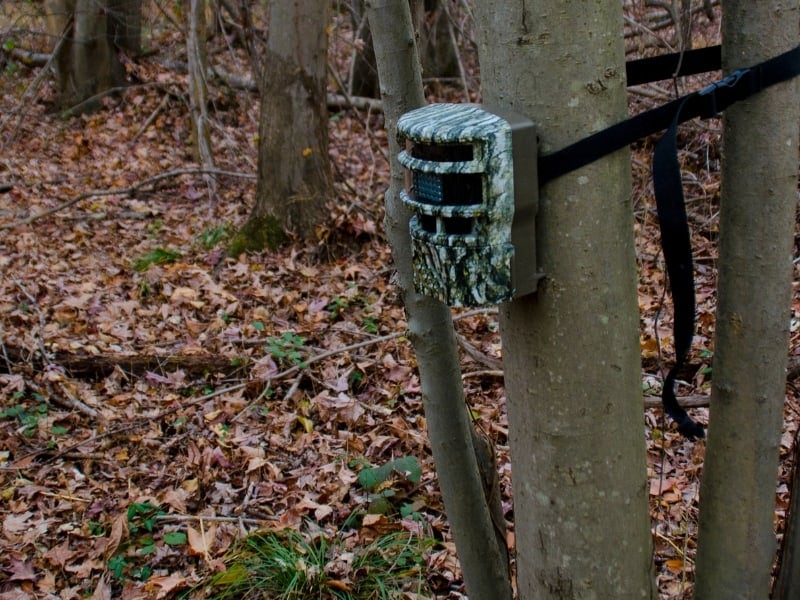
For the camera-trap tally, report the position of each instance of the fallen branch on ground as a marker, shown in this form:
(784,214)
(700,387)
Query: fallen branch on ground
(144,186)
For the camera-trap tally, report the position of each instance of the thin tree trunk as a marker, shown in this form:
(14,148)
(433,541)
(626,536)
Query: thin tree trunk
(571,350)
(481,551)
(759,197)
(126,25)
(198,88)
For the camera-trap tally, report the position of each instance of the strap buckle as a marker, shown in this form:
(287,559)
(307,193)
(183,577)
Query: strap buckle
(730,81)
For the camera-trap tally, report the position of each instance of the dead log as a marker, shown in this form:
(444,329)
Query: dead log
(101,365)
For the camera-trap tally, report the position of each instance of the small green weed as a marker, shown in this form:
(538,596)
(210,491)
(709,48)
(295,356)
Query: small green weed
(707,356)
(143,516)
(288,348)
(337,306)
(27,415)
(157,256)
(370,325)
(145,539)
(387,484)
(155,227)
(211,237)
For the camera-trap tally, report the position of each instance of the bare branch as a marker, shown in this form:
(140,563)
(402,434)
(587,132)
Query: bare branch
(141,186)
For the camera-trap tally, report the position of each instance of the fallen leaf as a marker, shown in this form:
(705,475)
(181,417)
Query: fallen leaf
(201,542)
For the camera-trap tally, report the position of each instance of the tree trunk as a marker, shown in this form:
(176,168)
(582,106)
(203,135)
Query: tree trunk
(363,80)
(126,25)
(294,179)
(460,455)
(571,351)
(87,62)
(437,49)
(198,88)
(759,197)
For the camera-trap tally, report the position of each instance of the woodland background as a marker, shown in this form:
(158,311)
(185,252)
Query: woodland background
(160,398)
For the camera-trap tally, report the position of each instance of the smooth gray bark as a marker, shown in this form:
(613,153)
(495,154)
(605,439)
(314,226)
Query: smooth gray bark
(482,557)
(571,351)
(759,197)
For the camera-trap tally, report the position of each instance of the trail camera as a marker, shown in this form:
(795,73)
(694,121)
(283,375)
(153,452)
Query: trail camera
(472,188)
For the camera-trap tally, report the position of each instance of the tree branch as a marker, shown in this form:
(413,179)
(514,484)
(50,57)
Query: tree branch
(128,191)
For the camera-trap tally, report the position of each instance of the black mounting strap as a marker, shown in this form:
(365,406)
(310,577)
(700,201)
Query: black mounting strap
(675,237)
(667,66)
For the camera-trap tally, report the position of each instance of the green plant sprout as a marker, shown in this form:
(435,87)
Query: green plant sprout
(143,525)
(287,349)
(211,237)
(26,415)
(157,256)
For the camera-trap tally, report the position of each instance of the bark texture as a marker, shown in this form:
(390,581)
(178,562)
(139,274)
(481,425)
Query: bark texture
(481,550)
(86,61)
(126,20)
(294,179)
(571,351)
(758,202)
(198,88)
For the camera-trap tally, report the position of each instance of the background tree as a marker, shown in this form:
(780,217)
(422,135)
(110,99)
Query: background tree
(438,51)
(197,60)
(294,179)
(571,351)
(88,35)
(757,218)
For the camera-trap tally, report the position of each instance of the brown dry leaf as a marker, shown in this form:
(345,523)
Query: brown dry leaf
(201,543)
(163,585)
(15,525)
(60,555)
(102,590)
(119,532)
(676,565)
(176,498)
(21,571)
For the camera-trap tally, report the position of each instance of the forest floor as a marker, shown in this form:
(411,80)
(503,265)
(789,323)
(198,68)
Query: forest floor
(148,380)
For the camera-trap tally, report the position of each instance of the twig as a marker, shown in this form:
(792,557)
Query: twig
(29,58)
(347,98)
(69,400)
(685,401)
(151,118)
(128,191)
(355,102)
(186,404)
(484,373)
(33,87)
(77,109)
(451,33)
(171,18)
(477,355)
(19,463)
(183,518)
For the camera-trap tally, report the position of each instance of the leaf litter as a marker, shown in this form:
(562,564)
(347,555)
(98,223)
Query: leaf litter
(159,400)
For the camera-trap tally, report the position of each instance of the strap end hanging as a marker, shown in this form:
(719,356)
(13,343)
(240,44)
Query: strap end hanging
(676,245)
